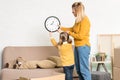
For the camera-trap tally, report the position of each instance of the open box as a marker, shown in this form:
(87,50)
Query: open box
(57,76)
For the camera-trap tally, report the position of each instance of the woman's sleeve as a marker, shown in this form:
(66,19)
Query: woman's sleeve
(54,42)
(66,29)
(84,31)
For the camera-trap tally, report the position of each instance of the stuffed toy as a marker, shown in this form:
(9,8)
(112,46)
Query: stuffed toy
(21,63)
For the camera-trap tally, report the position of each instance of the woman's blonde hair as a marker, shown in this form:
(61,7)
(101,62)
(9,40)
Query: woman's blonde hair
(64,37)
(79,9)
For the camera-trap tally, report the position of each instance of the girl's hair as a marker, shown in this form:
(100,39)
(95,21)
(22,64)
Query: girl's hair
(79,9)
(64,37)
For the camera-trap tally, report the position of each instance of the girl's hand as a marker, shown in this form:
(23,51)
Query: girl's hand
(50,34)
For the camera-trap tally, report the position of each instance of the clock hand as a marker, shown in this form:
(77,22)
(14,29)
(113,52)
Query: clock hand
(52,23)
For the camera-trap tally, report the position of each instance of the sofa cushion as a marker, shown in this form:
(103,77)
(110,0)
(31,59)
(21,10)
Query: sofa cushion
(46,64)
(56,59)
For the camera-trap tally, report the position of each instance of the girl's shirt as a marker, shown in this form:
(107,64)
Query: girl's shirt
(65,52)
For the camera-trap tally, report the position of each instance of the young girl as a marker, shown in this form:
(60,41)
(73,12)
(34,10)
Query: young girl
(66,53)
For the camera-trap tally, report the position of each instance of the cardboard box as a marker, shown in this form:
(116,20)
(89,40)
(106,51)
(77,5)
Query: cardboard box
(116,73)
(116,60)
(54,77)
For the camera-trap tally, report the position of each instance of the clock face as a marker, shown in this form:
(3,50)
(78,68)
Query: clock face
(51,24)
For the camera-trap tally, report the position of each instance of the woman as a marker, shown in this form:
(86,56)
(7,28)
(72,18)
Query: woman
(80,33)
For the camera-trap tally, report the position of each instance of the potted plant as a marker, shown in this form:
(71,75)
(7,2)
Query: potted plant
(100,56)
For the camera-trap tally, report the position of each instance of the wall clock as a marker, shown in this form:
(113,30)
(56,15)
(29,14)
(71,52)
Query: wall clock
(51,23)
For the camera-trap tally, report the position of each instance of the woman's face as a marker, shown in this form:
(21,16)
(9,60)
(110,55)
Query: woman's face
(74,12)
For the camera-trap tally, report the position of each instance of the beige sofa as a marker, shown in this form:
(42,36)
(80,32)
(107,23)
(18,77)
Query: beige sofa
(29,53)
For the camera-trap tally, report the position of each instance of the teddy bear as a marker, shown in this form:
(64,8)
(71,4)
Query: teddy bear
(21,63)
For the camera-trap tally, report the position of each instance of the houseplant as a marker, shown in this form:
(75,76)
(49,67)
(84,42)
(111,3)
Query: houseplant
(100,56)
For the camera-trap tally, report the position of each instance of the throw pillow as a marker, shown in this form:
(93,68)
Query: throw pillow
(28,65)
(56,59)
(46,64)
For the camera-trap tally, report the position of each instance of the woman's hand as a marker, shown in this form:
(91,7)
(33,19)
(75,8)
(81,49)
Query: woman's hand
(59,30)
(60,26)
(68,32)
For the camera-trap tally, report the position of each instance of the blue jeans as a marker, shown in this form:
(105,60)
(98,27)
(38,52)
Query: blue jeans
(82,62)
(68,70)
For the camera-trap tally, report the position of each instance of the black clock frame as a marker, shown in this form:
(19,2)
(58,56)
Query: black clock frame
(46,21)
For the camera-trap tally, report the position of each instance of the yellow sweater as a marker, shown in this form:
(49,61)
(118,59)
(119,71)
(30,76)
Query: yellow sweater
(80,32)
(65,52)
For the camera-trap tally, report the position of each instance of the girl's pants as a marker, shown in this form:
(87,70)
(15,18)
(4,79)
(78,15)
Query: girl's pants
(68,70)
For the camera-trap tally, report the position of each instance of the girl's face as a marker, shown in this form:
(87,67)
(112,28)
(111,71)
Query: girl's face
(74,12)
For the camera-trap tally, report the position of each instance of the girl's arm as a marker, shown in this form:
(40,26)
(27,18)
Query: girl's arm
(53,40)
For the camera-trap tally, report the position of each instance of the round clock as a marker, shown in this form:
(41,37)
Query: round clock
(51,23)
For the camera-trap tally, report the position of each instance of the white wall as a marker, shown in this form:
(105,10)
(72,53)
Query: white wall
(22,21)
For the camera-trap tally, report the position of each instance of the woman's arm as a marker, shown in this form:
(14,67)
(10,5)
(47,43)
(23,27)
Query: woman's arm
(83,32)
(65,29)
